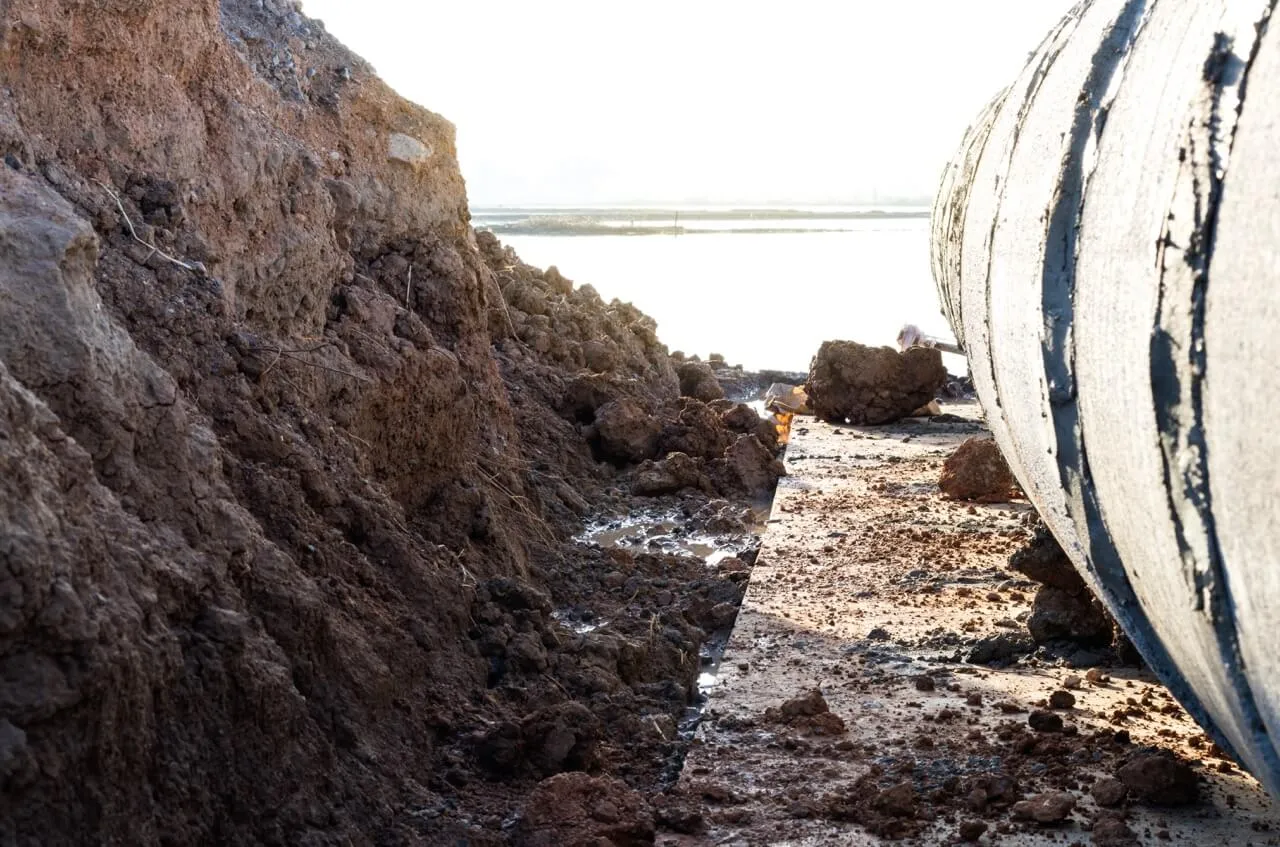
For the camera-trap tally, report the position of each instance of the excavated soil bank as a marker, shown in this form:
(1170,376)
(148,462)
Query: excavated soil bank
(292,462)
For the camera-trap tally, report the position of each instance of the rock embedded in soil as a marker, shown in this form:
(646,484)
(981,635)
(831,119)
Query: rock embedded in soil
(806,705)
(1160,779)
(977,471)
(854,383)
(1047,808)
(577,810)
(1062,700)
(971,831)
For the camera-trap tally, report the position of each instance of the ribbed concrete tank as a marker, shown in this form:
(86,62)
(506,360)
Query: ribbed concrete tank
(1107,247)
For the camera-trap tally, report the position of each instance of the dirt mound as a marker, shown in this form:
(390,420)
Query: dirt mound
(293,458)
(872,385)
(977,471)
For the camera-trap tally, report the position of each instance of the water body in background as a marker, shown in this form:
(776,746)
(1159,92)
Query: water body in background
(762,287)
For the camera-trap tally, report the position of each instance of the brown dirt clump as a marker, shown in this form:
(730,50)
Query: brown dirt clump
(807,713)
(1064,608)
(872,385)
(891,812)
(1058,614)
(1109,791)
(1111,831)
(1159,778)
(577,810)
(977,471)
(698,380)
(1049,807)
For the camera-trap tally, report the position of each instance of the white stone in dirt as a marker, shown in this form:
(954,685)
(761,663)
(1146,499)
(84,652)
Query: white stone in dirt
(407,149)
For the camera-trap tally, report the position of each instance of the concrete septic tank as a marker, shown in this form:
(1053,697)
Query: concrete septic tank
(1106,245)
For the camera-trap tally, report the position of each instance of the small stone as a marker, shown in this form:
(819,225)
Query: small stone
(878,634)
(411,151)
(974,699)
(972,830)
(925,683)
(1049,807)
(1109,791)
(1072,683)
(1097,677)
(1062,700)
(1044,721)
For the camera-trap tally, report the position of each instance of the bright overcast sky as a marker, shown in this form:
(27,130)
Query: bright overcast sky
(669,101)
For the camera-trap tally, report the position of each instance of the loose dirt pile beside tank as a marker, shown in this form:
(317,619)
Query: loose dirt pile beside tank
(291,465)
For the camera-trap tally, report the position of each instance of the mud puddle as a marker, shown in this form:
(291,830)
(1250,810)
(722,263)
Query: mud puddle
(712,538)
(714,533)
(579,621)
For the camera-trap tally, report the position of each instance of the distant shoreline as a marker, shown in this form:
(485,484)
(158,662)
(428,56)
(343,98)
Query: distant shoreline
(668,221)
(518,213)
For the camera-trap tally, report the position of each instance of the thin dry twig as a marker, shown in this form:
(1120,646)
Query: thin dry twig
(468,579)
(295,356)
(408,286)
(282,353)
(155,251)
(274,362)
(521,504)
(511,327)
(361,440)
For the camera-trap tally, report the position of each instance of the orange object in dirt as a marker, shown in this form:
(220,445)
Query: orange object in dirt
(782,423)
